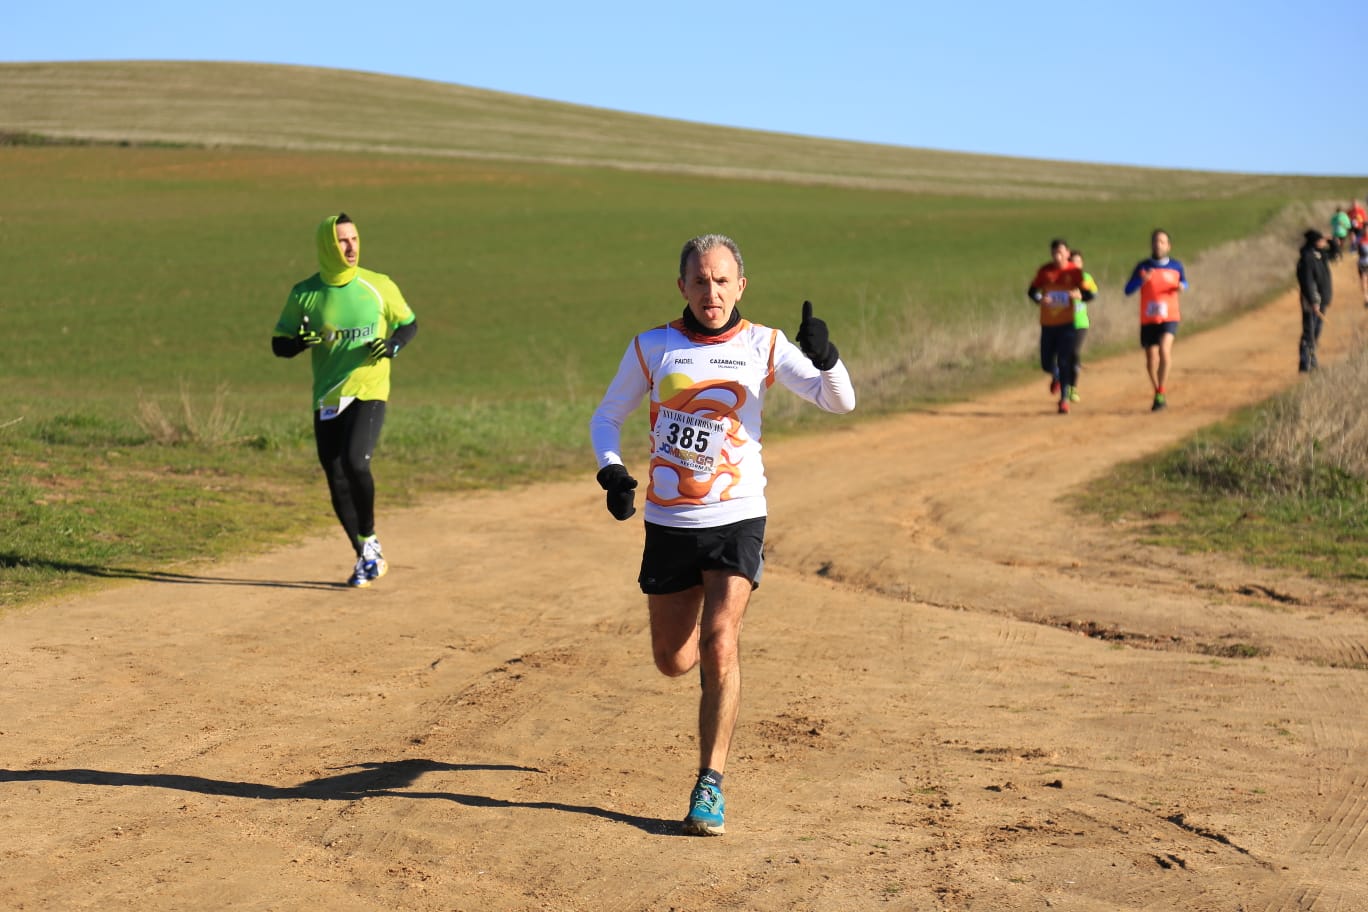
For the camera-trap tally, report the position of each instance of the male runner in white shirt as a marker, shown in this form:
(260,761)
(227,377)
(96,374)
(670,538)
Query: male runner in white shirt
(706,375)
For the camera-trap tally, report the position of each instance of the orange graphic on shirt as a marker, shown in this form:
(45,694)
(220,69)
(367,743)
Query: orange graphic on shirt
(718,400)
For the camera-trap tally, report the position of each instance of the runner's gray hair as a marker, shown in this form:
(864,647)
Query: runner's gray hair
(705,242)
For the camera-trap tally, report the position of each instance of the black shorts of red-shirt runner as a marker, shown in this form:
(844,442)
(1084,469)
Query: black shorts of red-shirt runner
(673,560)
(1152,334)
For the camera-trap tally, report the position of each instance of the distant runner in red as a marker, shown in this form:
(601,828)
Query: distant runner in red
(1159,280)
(1358,221)
(1057,286)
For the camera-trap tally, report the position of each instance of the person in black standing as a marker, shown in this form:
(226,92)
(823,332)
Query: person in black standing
(1313,281)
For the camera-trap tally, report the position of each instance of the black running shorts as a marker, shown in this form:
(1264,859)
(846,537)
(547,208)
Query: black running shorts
(673,560)
(1152,334)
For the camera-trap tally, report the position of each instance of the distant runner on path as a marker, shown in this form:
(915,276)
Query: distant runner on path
(1340,226)
(1057,287)
(705,376)
(1363,270)
(1159,279)
(1358,220)
(353,322)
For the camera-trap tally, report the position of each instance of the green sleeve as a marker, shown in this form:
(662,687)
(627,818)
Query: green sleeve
(290,316)
(397,311)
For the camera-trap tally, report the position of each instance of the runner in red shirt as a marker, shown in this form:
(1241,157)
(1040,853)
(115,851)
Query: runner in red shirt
(1056,287)
(1159,280)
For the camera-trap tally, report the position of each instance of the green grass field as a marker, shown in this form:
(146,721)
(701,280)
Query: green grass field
(147,278)
(155,266)
(1282,484)
(1209,496)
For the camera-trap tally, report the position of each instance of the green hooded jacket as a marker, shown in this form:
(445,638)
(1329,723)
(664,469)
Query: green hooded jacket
(1081,307)
(349,307)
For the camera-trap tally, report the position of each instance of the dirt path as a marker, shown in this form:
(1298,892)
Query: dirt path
(484,729)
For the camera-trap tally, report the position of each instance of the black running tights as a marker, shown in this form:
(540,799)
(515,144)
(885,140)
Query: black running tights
(345,445)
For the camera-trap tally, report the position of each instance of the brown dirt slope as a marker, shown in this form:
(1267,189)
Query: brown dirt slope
(925,725)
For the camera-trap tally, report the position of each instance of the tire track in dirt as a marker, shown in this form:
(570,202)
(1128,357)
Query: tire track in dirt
(1334,838)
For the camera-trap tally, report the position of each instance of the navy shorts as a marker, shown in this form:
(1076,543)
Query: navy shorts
(673,560)
(1153,333)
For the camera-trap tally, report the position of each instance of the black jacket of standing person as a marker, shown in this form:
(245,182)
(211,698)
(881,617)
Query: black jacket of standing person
(1313,274)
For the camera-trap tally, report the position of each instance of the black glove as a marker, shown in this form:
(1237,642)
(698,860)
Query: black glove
(306,336)
(383,348)
(621,489)
(812,339)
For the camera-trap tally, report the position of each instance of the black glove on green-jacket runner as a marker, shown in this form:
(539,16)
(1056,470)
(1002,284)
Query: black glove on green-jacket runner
(289,346)
(384,348)
(307,337)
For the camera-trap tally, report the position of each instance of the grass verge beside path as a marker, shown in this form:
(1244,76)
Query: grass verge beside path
(1284,484)
(90,499)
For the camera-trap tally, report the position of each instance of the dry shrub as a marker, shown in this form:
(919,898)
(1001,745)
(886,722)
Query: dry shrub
(933,361)
(917,362)
(1322,424)
(216,427)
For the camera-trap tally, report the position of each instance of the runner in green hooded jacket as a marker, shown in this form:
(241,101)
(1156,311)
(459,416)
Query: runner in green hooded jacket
(353,322)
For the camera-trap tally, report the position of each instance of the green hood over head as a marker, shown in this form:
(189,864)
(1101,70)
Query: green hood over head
(333,268)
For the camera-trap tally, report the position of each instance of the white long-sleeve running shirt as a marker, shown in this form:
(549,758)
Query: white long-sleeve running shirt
(706,396)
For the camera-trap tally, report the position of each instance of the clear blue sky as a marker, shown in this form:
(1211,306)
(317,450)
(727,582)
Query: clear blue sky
(1255,86)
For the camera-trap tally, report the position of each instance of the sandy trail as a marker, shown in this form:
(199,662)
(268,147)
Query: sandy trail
(484,730)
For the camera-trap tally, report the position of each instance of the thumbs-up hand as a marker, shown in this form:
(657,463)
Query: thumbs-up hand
(813,339)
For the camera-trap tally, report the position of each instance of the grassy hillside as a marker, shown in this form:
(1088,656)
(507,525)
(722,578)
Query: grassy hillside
(146,421)
(1283,484)
(230,104)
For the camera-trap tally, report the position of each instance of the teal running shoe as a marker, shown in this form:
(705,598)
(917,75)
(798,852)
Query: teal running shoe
(705,811)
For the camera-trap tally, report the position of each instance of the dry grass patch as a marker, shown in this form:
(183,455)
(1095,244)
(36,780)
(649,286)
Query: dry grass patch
(216,426)
(1322,424)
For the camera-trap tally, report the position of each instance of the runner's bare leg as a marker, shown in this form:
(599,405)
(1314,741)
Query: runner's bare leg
(1165,359)
(703,624)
